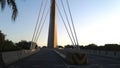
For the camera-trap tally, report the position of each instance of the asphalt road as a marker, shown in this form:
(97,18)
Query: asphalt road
(103,62)
(47,58)
(95,61)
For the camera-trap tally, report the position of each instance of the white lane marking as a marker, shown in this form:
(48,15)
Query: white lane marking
(62,55)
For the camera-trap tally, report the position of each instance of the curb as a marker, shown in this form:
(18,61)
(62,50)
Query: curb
(74,58)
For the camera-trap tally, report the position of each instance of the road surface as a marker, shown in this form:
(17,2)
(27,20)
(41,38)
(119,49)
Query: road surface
(47,58)
(103,62)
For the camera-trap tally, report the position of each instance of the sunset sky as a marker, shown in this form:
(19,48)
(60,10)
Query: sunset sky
(96,21)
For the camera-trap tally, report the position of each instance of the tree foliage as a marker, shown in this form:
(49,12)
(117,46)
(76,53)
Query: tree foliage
(12,5)
(2,39)
(60,47)
(106,47)
(6,45)
(44,47)
(23,44)
(9,46)
(69,46)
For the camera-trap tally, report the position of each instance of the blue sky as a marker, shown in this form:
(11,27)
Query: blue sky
(96,21)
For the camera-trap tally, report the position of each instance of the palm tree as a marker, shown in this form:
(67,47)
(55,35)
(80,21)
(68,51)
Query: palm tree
(12,5)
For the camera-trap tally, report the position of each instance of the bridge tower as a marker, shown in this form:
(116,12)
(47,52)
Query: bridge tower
(52,35)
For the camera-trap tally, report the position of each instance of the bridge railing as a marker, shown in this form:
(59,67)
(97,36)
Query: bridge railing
(13,56)
(112,54)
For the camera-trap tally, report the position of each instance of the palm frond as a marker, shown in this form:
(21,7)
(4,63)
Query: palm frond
(2,2)
(12,4)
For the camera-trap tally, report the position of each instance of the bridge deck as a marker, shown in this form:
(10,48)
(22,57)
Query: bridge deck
(46,58)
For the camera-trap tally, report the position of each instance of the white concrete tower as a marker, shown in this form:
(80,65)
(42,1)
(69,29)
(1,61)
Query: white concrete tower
(52,35)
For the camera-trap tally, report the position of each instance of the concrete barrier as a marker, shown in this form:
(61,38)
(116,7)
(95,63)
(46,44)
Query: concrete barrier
(103,53)
(10,57)
(118,54)
(74,57)
(112,54)
(13,56)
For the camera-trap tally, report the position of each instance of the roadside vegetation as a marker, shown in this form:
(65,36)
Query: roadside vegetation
(8,45)
(106,47)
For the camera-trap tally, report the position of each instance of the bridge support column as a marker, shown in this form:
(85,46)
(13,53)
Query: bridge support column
(52,35)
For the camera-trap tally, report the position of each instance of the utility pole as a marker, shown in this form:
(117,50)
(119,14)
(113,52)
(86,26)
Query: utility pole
(52,35)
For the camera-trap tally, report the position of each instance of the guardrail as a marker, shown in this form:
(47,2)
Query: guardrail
(112,54)
(13,56)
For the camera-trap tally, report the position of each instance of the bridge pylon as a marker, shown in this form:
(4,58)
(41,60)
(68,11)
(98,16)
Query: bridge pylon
(52,35)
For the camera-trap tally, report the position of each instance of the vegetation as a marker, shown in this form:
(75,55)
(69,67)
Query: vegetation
(25,45)
(12,5)
(6,45)
(60,47)
(9,46)
(69,46)
(44,47)
(2,38)
(106,47)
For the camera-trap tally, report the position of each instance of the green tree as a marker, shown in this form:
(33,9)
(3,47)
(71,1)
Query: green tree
(69,46)
(9,46)
(92,46)
(44,47)
(60,47)
(112,47)
(23,44)
(2,39)
(12,5)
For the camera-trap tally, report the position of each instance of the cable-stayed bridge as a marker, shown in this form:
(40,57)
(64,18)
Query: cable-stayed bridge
(51,57)
(66,18)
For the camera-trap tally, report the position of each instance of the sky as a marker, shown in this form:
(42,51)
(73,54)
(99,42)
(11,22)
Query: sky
(96,21)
